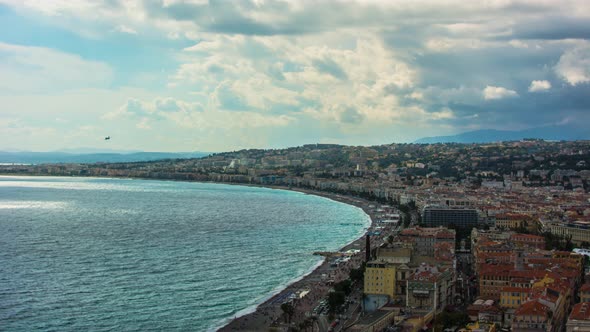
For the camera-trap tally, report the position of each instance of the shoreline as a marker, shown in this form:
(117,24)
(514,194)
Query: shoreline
(259,317)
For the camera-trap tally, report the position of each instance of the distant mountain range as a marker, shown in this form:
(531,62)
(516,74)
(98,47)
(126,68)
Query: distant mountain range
(23,157)
(554,133)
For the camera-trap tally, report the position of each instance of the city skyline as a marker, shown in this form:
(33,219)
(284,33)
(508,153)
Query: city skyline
(210,76)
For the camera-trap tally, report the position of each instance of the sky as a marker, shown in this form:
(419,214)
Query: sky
(213,76)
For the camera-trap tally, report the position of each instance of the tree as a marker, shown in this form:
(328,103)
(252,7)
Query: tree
(554,241)
(406,220)
(288,310)
(344,286)
(447,319)
(335,300)
(358,274)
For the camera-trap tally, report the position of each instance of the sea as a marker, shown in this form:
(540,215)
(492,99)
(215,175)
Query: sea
(103,254)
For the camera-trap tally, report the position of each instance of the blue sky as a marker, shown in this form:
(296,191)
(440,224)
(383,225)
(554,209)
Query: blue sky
(224,75)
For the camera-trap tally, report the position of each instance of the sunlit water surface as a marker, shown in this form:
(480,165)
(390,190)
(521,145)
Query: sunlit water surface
(90,254)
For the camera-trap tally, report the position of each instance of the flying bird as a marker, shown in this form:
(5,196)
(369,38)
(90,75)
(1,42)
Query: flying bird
(107,138)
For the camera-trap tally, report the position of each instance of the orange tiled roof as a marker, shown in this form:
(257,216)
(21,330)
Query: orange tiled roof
(532,308)
(581,311)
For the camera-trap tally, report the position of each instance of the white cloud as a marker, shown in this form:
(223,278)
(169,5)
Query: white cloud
(518,43)
(39,69)
(443,114)
(458,44)
(288,74)
(155,109)
(143,124)
(574,65)
(416,95)
(497,92)
(538,86)
(228,121)
(125,29)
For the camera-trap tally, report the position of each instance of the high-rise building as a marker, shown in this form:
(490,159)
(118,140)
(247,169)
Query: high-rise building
(433,216)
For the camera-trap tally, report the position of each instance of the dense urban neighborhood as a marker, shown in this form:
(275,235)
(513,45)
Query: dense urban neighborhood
(464,237)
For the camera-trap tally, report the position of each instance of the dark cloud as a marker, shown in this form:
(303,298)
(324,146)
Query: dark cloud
(552,28)
(529,109)
(498,66)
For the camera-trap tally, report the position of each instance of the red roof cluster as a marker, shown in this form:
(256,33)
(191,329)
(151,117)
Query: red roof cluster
(532,308)
(581,311)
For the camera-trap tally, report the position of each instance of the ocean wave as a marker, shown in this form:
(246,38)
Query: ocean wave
(52,205)
(252,308)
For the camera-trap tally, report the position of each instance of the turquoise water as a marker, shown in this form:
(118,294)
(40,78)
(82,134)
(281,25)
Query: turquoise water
(90,254)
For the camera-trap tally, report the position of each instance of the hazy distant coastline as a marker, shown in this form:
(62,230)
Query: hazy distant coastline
(28,158)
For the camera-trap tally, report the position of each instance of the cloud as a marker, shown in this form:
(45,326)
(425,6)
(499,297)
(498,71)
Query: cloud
(574,65)
(278,72)
(135,107)
(444,114)
(538,86)
(156,109)
(125,29)
(554,26)
(143,124)
(540,19)
(226,121)
(302,75)
(41,69)
(168,104)
(351,116)
(330,67)
(497,92)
